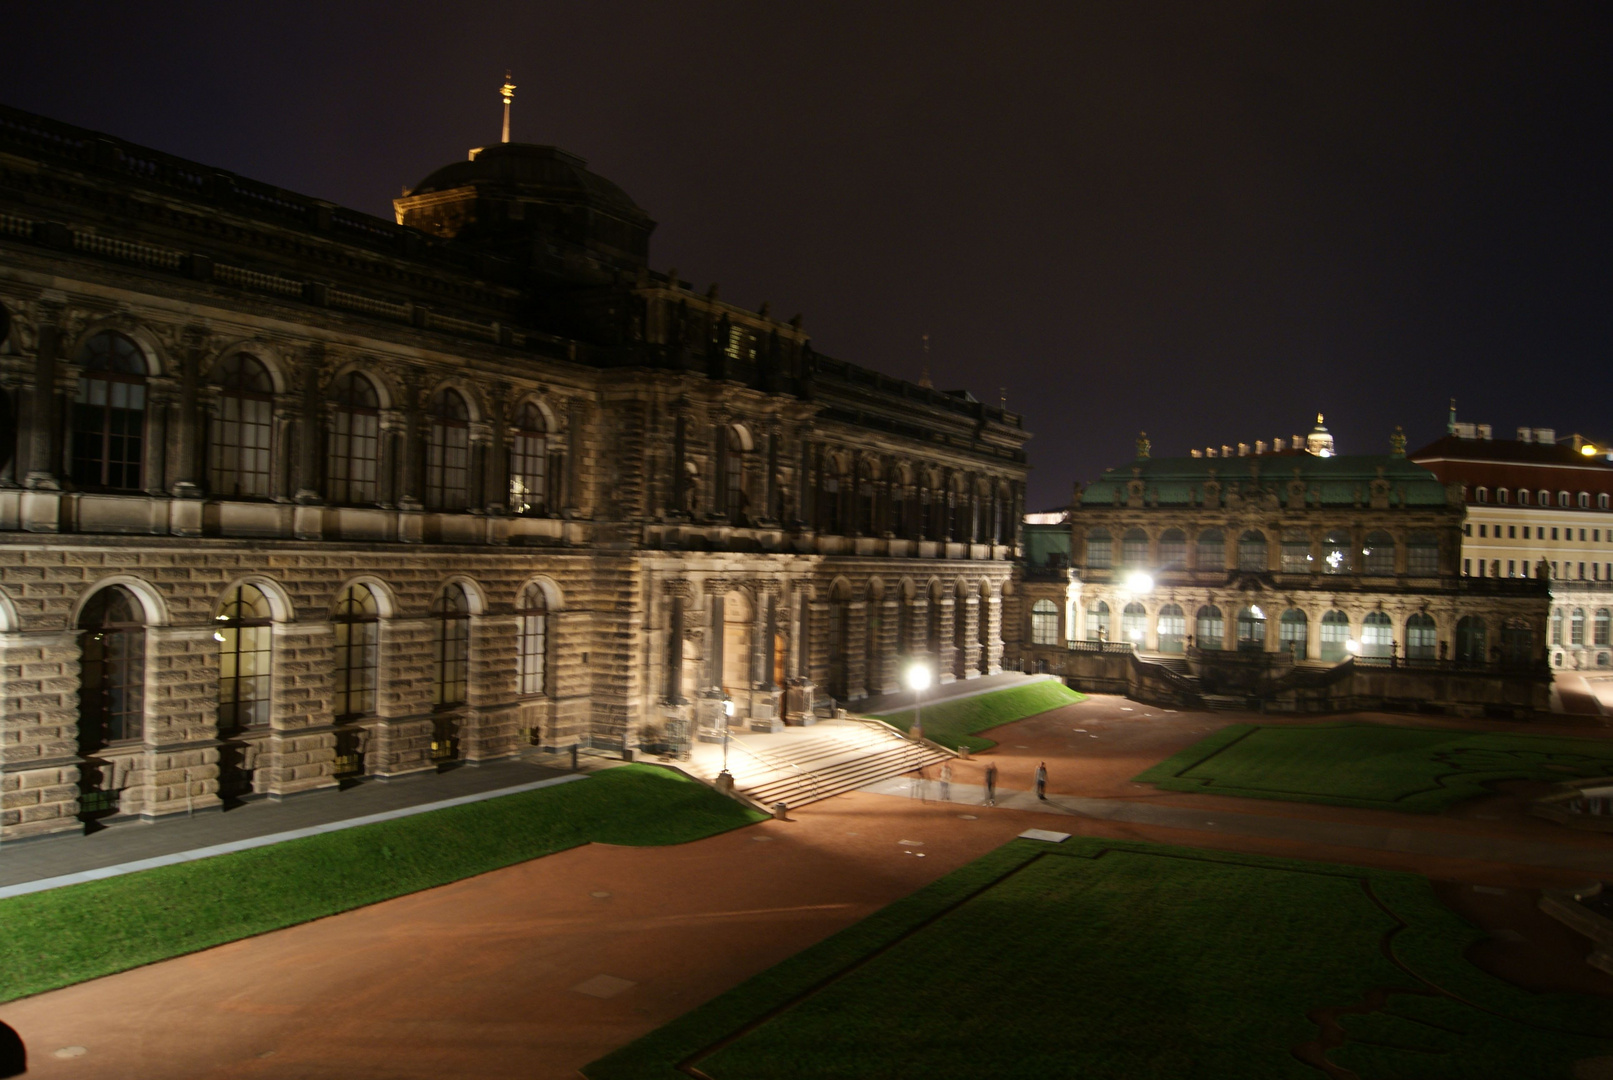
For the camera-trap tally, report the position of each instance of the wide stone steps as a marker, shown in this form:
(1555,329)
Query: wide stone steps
(823,763)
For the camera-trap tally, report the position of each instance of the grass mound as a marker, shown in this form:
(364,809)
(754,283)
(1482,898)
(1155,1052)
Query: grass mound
(1114,959)
(955,723)
(67,935)
(1416,770)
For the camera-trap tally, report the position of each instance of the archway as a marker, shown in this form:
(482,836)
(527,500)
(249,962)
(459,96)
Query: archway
(738,618)
(112,685)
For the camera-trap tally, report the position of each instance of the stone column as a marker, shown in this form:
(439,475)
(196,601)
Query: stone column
(946,647)
(890,647)
(971,637)
(43,445)
(310,431)
(161,397)
(184,463)
(856,630)
(496,492)
(414,447)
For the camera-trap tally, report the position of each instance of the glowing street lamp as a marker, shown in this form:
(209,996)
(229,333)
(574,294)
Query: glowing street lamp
(1353,647)
(1139,583)
(918,679)
(728,715)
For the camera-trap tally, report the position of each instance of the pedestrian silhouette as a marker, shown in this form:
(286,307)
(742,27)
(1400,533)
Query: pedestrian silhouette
(991,784)
(1041,781)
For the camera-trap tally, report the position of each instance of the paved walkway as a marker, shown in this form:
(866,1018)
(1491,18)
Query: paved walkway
(1403,839)
(129,842)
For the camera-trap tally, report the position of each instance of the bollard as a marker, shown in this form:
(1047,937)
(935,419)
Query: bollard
(781,812)
(573,757)
(963,752)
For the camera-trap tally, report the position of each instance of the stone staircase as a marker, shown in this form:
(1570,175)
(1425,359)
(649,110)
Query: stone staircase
(802,765)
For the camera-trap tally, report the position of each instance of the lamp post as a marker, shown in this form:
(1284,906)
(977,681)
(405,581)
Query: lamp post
(725,780)
(918,678)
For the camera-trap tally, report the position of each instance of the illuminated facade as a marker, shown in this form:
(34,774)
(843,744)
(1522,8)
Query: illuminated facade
(292,495)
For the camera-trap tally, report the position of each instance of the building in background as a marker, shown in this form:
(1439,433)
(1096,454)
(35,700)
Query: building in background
(1538,507)
(291,495)
(1294,578)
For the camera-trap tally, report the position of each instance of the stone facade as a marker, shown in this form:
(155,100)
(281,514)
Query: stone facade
(292,496)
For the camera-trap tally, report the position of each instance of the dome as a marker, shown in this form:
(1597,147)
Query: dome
(535,203)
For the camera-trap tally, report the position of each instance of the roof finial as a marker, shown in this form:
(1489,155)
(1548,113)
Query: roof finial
(1318,418)
(1450,422)
(507,92)
(924,377)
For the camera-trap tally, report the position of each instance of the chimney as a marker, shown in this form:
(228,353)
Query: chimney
(1526,435)
(1260,446)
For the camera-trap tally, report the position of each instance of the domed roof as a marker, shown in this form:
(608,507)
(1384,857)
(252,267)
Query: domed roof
(537,169)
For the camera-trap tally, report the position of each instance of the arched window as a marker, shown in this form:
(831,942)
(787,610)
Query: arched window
(1296,551)
(1134,623)
(1335,641)
(1212,551)
(1576,626)
(867,525)
(962,512)
(109,414)
(1377,635)
(1471,646)
(242,430)
(1251,628)
(1171,628)
(1601,627)
(732,499)
(111,703)
(1098,621)
(1292,631)
(112,683)
(1134,548)
(357,625)
(1100,550)
(1252,551)
(1210,630)
(1563,500)
(448,451)
(1602,501)
(1523,496)
(532,641)
(529,462)
(1044,623)
(1336,552)
(354,440)
(831,514)
(1517,643)
(244,631)
(900,526)
(1584,500)
(1545,497)
(1421,643)
(451,654)
(1378,557)
(1422,554)
(1501,496)
(1481,495)
(1173,550)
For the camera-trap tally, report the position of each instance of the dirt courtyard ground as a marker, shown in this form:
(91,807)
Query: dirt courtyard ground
(535,970)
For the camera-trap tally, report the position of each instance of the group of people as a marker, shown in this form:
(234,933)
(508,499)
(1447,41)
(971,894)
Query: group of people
(921,783)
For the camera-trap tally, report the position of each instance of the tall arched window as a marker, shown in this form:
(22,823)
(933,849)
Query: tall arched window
(1251,628)
(1209,629)
(355,435)
(529,462)
(1098,621)
(109,414)
(1335,641)
(866,505)
(448,451)
(1134,623)
(1336,552)
(1171,628)
(532,642)
(112,683)
(241,433)
(1471,646)
(357,626)
(831,518)
(451,612)
(1379,554)
(1421,642)
(1211,555)
(1044,623)
(1576,626)
(1134,548)
(1296,552)
(1173,550)
(244,632)
(1601,627)
(899,524)
(1100,549)
(1422,554)
(1293,630)
(1557,626)
(962,513)
(1377,635)
(1252,551)
(733,500)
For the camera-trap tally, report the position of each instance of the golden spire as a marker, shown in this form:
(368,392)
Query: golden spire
(507,92)
(1318,418)
(924,378)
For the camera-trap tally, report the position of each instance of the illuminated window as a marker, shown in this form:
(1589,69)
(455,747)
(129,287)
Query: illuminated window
(1296,552)
(1044,623)
(357,625)
(1422,554)
(1421,643)
(1100,550)
(532,642)
(1576,627)
(1134,548)
(1171,627)
(1377,635)
(244,632)
(1251,625)
(1600,627)
(451,612)
(111,699)
(109,414)
(1134,623)
(1212,550)
(448,451)
(1379,554)
(1556,626)
(1172,549)
(242,429)
(1209,628)
(1292,631)
(354,440)
(1336,547)
(529,462)
(1098,621)
(1252,551)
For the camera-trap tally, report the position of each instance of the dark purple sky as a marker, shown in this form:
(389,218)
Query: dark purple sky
(1206,220)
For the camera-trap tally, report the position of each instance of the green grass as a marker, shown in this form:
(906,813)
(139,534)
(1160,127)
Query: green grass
(1416,770)
(1116,960)
(955,723)
(67,935)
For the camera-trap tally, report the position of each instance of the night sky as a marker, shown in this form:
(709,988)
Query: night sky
(1205,220)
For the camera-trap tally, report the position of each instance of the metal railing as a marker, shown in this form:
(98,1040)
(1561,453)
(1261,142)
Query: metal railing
(777,764)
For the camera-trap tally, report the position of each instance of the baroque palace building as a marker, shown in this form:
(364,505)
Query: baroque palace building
(292,495)
(1263,571)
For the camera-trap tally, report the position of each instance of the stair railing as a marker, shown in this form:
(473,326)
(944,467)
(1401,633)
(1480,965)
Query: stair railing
(778,763)
(892,729)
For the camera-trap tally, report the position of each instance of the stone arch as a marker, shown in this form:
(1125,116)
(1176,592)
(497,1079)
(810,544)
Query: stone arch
(273,361)
(540,402)
(876,589)
(145,341)
(840,589)
(466,390)
(152,604)
(387,395)
(279,601)
(386,601)
(475,595)
(553,597)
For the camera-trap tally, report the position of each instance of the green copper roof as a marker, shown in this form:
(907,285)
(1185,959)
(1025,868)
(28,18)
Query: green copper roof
(1331,481)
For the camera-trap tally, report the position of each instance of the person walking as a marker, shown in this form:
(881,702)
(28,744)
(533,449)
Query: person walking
(946,782)
(1041,781)
(991,784)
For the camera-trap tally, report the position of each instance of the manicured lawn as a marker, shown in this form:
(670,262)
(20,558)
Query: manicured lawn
(1418,770)
(79,932)
(954,723)
(1113,960)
